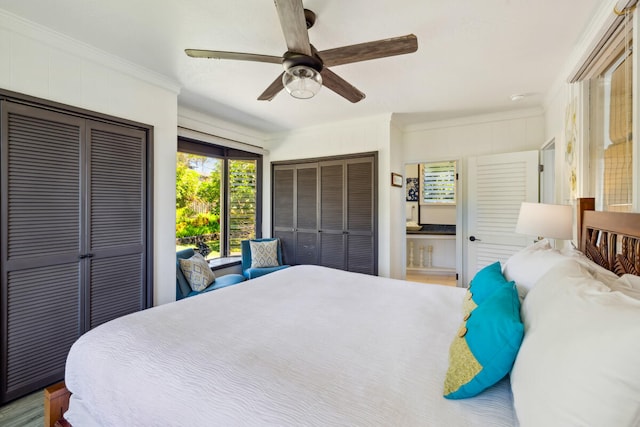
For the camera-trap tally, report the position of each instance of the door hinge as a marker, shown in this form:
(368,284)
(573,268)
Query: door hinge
(540,168)
(456,176)
(457,278)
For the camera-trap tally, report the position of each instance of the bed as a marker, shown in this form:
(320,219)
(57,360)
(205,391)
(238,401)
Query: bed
(338,348)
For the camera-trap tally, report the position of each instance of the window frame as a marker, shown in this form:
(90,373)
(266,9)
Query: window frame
(192,146)
(453,180)
(614,38)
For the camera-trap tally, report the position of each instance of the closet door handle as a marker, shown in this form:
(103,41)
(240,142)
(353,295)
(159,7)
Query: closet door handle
(83,256)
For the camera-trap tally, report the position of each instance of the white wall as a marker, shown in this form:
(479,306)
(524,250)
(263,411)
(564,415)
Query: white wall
(460,139)
(357,136)
(397,200)
(518,130)
(38,62)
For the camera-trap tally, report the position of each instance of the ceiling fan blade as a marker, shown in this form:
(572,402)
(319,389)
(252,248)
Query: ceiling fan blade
(273,89)
(340,86)
(294,25)
(369,50)
(216,54)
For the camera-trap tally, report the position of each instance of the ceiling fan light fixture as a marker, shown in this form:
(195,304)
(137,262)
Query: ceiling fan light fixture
(302,82)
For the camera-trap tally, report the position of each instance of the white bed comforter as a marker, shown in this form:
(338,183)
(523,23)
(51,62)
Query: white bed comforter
(306,345)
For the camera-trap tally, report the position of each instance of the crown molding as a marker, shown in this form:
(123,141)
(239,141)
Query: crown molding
(383,118)
(192,120)
(477,119)
(56,40)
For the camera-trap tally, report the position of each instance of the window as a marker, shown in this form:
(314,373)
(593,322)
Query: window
(614,167)
(438,181)
(217,193)
(608,73)
(242,202)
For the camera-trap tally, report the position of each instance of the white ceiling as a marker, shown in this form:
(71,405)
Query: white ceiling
(472,54)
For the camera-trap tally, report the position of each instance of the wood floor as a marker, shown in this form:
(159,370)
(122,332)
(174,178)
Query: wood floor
(25,412)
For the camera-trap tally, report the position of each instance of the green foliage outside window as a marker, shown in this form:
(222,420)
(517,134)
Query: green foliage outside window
(198,201)
(190,224)
(242,202)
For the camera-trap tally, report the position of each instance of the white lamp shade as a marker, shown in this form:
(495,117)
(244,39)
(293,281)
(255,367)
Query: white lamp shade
(545,220)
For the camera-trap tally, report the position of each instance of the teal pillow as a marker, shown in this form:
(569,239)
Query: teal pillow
(485,282)
(486,345)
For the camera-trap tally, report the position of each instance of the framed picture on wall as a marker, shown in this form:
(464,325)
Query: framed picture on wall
(396,179)
(412,189)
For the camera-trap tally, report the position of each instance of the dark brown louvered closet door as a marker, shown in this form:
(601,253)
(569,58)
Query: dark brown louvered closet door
(283,213)
(41,200)
(295,218)
(116,218)
(73,234)
(344,212)
(360,218)
(306,218)
(332,215)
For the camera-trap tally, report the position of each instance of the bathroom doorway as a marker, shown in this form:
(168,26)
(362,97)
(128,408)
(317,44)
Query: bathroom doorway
(433,212)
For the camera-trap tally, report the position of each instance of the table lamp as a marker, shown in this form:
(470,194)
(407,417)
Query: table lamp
(545,220)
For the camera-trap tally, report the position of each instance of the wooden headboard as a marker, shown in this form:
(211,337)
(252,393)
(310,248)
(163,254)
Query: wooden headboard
(610,239)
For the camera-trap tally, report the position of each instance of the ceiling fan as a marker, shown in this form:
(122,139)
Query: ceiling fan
(305,69)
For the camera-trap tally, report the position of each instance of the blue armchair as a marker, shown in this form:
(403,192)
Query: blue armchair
(183,290)
(252,273)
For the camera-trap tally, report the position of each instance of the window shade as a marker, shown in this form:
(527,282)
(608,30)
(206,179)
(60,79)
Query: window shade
(607,50)
(620,118)
(438,181)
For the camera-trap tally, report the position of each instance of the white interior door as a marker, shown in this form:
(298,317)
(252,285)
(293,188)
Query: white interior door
(497,185)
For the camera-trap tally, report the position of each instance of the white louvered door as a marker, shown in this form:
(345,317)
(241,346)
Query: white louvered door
(498,184)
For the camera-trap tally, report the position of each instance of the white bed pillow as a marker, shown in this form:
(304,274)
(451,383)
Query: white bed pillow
(598,272)
(578,364)
(628,284)
(529,264)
